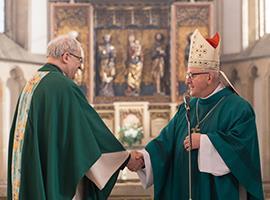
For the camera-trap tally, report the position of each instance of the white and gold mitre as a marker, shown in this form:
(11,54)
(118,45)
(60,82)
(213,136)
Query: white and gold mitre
(204,53)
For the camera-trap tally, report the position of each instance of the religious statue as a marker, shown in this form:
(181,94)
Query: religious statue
(134,67)
(158,62)
(107,56)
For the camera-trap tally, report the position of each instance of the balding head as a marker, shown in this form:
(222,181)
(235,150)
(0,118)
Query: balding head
(64,43)
(66,53)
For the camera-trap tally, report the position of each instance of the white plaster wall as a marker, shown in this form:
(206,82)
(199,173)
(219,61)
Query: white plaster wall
(232,25)
(2,14)
(261,105)
(38,26)
(263,110)
(5,67)
(259,100)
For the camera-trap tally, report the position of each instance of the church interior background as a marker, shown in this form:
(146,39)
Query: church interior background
(135,60)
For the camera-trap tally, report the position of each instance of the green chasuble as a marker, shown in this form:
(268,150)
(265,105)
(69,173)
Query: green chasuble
(56,137)
(232,130)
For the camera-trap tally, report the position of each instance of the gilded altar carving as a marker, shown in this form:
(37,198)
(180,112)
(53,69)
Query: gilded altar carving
(134,66)
(106,54)
(164,115)
(133,73)
(159,107)
(146,38)
(152,99)
(145,22)
(159,56)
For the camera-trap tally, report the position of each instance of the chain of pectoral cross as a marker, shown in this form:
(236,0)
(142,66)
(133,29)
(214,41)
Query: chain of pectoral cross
(196,129)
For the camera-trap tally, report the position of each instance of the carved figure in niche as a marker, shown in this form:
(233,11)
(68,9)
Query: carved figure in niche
(158,62)
(134,67)
(107,56)
(187,48)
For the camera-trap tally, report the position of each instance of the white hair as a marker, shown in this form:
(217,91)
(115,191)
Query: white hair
(61,44)
(215,75)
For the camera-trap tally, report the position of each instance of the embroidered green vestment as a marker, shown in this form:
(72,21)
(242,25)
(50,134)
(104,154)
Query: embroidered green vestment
(55,140)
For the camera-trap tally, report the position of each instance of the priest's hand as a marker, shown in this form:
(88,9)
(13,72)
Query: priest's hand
(195,137)
(136,161)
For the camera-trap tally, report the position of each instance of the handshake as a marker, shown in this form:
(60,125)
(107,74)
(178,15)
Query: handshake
(136,161)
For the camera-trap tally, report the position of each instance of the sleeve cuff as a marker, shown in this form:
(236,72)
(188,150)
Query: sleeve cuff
(146,174)
(209,160)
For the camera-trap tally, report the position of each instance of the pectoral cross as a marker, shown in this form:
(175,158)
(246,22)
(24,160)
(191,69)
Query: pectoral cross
(196,129)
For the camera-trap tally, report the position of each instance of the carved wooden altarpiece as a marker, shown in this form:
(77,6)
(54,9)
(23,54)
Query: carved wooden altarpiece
(143,21)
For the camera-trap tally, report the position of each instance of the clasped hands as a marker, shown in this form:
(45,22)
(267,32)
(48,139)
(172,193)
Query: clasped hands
(136,161)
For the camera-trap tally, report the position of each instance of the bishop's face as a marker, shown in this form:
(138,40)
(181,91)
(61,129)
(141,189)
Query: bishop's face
(197,81)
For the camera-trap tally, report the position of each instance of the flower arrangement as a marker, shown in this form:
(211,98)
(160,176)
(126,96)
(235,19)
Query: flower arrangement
(131,135)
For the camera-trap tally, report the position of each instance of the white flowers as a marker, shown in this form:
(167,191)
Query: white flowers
(131,135)
(131,132)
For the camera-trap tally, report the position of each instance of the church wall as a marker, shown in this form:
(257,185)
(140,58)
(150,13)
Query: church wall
(27,24)
(231,26)
(16,27)
(2,175)
(38,26)
(254,84)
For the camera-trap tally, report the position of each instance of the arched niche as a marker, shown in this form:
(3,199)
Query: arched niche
(235,78)
(15,84)
(252,82)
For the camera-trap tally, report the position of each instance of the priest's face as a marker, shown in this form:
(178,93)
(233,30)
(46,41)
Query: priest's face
(75,62)
(197,81)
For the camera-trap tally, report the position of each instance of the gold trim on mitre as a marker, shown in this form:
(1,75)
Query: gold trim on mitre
(202,54)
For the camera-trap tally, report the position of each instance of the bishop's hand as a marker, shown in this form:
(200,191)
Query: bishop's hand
(195,137)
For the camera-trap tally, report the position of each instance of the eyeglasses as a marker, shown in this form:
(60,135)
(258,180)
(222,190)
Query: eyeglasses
(79,57)
(191,75)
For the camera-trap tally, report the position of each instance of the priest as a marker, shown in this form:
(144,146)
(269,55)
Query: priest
(225,160)
(59,148)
